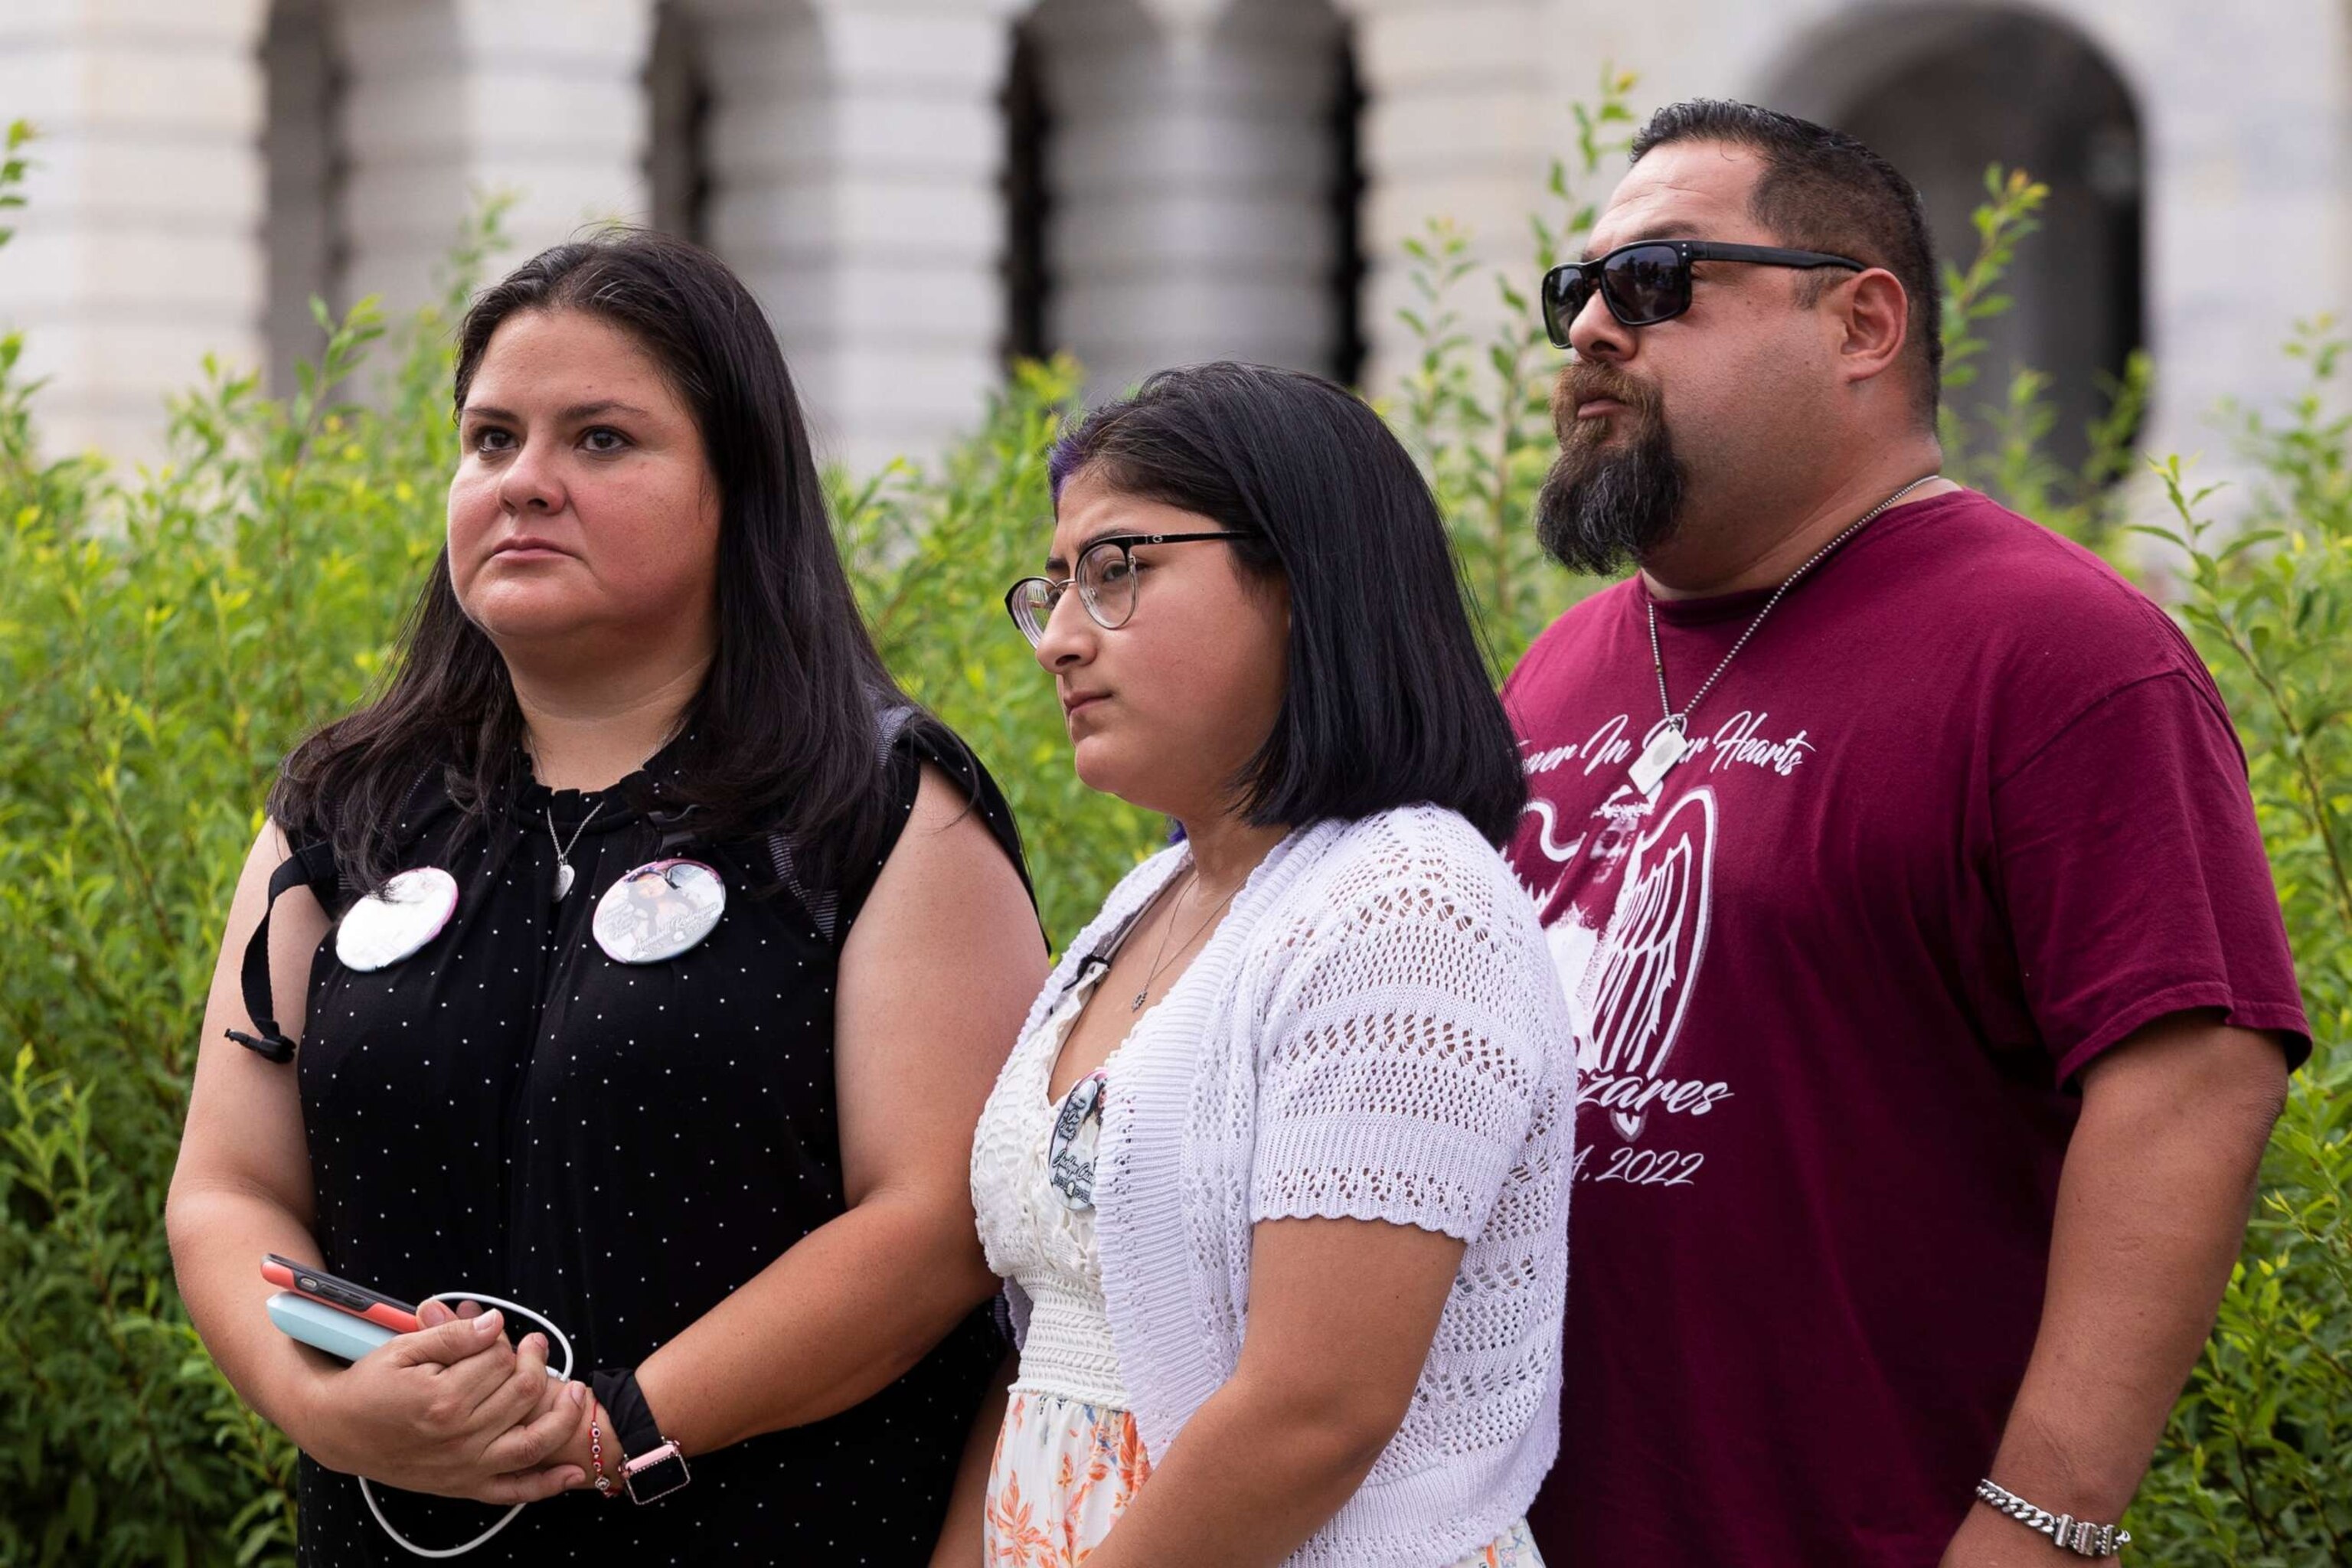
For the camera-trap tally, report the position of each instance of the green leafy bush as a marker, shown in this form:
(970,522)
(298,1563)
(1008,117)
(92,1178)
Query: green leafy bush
(1474,406)
(165,634)
(162,636)
(2257,1464)
(930,552)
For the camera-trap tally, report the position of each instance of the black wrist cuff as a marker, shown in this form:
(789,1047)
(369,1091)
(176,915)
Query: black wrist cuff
(634,1426)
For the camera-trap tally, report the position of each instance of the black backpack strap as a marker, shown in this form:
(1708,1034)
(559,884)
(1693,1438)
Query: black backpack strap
(313,867)
(823,905)
(1107,948)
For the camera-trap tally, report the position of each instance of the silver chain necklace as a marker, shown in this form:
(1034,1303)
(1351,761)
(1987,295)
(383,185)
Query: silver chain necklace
(1671,744)
(563,850)
(563,874)
(1161,961)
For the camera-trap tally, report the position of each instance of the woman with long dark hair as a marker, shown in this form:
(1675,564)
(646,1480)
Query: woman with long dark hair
(650,957)
(1278,1171)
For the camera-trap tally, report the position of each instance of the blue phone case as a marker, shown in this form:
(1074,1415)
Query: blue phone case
(322,1327)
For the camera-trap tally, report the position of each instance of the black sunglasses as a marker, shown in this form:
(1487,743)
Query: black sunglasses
(1649,281)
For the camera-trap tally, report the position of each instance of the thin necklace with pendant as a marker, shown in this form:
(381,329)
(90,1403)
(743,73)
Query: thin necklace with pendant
(1160,961)
(1671,744)
(564,877)
(563,850)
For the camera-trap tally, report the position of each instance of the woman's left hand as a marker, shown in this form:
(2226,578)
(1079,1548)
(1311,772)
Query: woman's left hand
(580,1449)
(577,1448)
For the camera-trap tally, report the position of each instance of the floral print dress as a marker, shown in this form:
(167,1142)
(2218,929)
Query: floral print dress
(1069,1459)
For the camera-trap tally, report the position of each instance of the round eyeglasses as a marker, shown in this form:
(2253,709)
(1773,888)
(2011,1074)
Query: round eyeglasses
(1106,579)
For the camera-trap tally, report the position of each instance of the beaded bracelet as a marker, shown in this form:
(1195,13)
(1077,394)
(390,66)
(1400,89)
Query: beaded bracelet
(604,1488)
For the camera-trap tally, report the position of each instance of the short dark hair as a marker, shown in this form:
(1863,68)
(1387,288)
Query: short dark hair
(782,736)
(1388,701)
(1822,190)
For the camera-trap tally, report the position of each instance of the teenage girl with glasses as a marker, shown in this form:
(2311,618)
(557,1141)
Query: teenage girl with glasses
(1278,1175)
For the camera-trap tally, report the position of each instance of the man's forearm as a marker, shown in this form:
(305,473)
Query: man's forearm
(2152,1207)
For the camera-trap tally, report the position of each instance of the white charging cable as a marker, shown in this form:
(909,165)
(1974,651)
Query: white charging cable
(556,1337)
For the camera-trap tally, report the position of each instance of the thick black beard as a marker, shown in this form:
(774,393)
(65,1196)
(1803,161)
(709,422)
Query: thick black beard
(1600,512)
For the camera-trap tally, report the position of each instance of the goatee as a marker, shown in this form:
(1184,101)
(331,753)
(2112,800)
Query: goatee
(1616,488)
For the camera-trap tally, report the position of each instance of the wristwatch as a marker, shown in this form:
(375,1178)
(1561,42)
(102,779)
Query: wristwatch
(2079,1536)
(655,1473)
(656,1466)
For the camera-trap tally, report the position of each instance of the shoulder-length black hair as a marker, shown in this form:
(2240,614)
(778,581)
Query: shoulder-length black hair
(1388,700)
(784,733)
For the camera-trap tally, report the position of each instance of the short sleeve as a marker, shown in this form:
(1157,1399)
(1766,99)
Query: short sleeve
(2136,878)
(923,739)
(1399,1070)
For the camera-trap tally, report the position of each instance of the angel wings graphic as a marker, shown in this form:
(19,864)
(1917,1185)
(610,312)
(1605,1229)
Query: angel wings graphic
(1637,984)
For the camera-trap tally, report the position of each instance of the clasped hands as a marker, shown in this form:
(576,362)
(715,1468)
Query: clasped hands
(454,1410)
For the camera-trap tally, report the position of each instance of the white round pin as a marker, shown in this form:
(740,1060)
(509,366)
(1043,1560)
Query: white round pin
(659,911)
(395,920)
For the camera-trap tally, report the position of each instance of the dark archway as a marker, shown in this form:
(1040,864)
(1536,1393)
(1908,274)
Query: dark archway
(1959,88)
(1175,199)
(1350,267)
(677,108)
(1028,198)
(305,242)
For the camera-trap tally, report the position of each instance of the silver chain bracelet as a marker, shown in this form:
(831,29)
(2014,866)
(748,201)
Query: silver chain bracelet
(2079,1536)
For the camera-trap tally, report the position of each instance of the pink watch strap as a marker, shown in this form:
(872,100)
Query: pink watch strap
(664,1459)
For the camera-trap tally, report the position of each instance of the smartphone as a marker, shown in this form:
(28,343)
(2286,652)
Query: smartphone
(330,1329)
(317,1285)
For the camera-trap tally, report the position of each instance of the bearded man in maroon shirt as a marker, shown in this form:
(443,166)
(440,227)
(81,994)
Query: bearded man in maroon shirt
(1932,1000)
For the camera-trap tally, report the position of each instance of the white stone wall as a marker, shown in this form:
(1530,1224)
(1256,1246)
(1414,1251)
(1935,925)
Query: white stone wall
(1467,107)
(1190,176)
(450,100)
(855,151)
(139,253)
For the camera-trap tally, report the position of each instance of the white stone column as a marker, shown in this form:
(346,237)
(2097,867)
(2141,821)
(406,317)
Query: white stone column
(451,99)
(1191,170)
(854,149)
(1466,106)
(138,254)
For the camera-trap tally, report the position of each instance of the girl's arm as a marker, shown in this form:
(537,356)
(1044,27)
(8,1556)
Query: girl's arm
(1341,1315)
(1342,1312)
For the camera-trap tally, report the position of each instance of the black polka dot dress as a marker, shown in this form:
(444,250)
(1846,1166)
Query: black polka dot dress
(618,1147)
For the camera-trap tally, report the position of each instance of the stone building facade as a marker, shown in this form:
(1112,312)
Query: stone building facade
(918,188)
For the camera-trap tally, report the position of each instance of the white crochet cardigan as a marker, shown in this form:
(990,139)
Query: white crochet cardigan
(1374,1032)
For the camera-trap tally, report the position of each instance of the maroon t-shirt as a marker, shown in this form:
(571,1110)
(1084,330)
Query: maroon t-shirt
(1964,814)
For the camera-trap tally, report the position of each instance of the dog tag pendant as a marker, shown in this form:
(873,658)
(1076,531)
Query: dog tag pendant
(1666,748)
(396,919)
(659,911)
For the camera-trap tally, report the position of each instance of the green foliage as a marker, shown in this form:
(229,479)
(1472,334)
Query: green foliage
(931,554)
(2254,1466)
(13,167)
(165,635)
(1474,405)
(2086,502)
